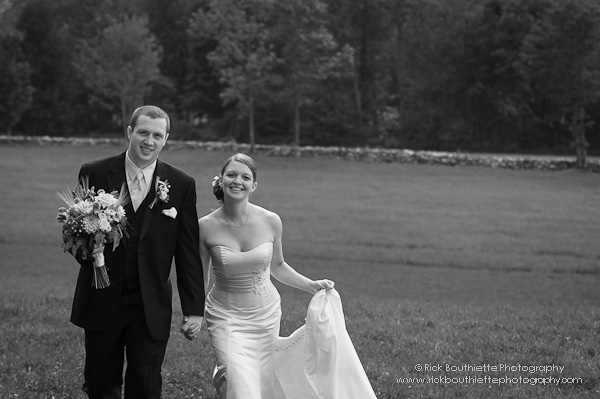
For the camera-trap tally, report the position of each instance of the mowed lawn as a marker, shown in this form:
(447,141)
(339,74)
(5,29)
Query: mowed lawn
(440,270)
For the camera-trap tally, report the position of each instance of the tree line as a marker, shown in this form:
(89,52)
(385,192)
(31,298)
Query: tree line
(466,75)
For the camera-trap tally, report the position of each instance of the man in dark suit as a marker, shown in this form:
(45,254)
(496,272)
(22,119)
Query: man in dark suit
(131,318)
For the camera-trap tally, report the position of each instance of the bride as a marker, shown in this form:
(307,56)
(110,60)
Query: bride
(240,243)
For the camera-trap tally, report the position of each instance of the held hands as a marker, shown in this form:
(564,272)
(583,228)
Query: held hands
(325,283)
(190,326)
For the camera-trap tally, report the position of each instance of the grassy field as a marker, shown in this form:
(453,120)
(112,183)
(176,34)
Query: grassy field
(436,266)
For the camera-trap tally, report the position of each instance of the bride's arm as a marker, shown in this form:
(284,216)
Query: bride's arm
(284,272)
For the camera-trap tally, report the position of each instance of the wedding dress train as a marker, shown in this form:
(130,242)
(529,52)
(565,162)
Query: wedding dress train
(318,360)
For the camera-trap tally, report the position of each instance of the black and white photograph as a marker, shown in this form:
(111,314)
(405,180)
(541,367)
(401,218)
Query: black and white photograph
(300,199)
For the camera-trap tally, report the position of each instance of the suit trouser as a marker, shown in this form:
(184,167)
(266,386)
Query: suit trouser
(105,355)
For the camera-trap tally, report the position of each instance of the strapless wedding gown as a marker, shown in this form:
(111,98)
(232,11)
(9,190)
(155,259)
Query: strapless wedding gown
(243,311)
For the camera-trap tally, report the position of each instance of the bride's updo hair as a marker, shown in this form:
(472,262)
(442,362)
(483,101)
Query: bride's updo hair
(239,157)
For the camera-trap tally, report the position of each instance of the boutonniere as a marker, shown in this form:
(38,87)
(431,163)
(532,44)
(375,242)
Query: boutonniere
(162,191)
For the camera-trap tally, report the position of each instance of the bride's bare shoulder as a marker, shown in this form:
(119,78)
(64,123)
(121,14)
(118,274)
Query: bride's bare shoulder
(210,219)
(268,216)
(263,212)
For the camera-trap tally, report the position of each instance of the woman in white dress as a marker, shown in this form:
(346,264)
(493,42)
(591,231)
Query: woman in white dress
(241,244)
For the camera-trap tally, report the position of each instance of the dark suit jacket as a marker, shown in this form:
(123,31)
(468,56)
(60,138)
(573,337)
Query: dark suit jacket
(161,239)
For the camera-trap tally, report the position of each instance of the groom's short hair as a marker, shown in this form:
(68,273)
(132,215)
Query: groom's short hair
(151,111)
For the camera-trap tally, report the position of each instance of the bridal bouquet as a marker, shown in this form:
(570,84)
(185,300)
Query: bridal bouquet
(90,220)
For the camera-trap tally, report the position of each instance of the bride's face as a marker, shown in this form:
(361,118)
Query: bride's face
(238,182)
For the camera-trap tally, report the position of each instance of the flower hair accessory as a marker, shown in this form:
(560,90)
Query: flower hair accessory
(217,189)
(162,191)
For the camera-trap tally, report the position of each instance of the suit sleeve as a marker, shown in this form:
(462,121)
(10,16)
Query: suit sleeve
(190,277)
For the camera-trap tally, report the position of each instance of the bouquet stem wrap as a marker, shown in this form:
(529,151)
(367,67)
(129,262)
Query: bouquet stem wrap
(100,279)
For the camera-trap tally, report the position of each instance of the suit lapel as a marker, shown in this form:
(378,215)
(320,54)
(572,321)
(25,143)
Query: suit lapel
(150,213)
(116,178)
(116,174)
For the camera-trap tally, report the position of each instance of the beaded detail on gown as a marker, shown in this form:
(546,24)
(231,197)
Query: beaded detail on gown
(243,311)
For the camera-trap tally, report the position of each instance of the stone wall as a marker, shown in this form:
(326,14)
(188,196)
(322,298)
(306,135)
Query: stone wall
(550,163)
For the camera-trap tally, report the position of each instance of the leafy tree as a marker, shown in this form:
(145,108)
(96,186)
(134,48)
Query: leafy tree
(119,64)
(242,52)
(309,54)
(51,30)
(194,92)
(561,59)
(5,6)
(15,84)
(15,72)
(358,101)
(498,98)
(367,26)
(428,77)
(201,86)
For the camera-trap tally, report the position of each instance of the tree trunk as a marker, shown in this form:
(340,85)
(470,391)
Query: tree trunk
(357,94)
(251,120)
(297,127)
(124,122)
(400,69)
(581,156)
(579,141)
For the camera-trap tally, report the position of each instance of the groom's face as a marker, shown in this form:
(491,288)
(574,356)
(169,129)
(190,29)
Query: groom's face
(146,140)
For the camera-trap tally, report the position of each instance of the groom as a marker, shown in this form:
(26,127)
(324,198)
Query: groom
(131,319)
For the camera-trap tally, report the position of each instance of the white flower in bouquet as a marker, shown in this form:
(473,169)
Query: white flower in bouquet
(110,214)
(105,200)
(90,224)
(83,207)
(104,225)
(120,214)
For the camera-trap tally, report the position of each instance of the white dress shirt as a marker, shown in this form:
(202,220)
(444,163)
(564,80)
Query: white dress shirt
(132,170)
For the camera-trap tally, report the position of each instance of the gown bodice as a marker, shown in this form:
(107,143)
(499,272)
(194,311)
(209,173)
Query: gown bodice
(243,311)
(240,272)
